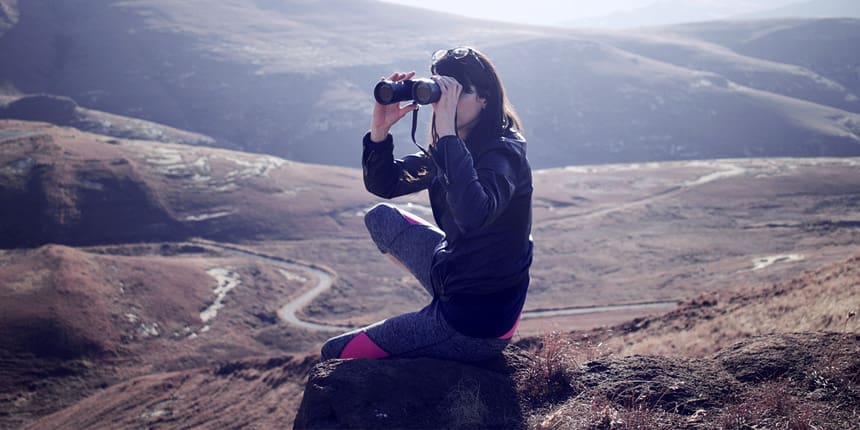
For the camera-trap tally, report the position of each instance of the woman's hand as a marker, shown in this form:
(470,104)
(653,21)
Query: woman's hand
(384,116)
(446,107)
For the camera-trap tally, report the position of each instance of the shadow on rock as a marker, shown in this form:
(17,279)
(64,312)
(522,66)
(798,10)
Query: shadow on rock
(411,393)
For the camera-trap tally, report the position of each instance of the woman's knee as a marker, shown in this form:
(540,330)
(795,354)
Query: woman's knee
(383,221)
(334,347)
(331,349)
(380,215)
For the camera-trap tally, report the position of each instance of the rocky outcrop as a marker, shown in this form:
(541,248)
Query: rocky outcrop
(792,356)
(411,394)
(769,379)
(673,384)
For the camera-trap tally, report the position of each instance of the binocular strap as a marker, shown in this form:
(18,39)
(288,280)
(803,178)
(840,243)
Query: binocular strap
(427,153)
(414,126)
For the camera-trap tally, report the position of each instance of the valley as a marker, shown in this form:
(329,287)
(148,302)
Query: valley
(613,243)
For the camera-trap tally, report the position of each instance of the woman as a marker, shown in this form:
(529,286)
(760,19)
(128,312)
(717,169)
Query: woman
(476,267)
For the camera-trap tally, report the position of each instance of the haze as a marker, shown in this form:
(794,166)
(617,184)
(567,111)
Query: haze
(600,14)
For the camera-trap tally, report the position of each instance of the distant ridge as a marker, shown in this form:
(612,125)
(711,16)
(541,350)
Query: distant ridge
(274,78)
(810,9)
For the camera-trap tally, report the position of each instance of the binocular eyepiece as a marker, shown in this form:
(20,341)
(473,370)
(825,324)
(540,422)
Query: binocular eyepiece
(423,91)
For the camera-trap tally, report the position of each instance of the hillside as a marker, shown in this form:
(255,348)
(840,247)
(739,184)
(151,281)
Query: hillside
(607,235)
(122,246)
(294,80)
(74,321)
(753,382)
(63,111)
(62,185)
(821,300)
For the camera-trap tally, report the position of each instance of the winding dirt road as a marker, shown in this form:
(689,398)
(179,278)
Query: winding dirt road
(287,312)
(727,168)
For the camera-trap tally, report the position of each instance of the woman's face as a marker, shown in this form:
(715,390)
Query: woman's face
(469,110)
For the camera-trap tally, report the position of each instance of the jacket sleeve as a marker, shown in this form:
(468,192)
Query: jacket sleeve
(477,194)
(388,178)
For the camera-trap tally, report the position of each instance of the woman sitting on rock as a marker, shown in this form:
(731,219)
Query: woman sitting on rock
(476,268)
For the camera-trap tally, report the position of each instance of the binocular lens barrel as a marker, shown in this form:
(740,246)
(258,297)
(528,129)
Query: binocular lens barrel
(384,94)
(423,91)
(389,92)
(426,91)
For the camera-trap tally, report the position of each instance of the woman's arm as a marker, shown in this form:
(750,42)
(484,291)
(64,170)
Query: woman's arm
(388,178)
(477,195)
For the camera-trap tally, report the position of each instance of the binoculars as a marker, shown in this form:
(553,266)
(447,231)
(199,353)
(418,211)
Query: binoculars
(423,91)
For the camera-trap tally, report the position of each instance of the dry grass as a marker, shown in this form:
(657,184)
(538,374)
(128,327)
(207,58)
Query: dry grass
(823,300)
(823,398)
(548,378)
(549,381)
(555,356)
(601,413)
(769,405)
(821,394)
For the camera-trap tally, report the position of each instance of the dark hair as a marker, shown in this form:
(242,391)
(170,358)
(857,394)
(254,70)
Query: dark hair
(475,69)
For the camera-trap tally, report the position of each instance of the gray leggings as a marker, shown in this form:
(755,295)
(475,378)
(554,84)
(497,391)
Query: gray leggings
(425,333)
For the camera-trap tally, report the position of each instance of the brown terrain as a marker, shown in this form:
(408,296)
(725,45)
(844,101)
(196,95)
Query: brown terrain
(146,284)
(774,377)
(170,258)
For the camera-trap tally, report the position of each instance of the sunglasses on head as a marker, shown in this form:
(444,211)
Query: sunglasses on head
(455,53)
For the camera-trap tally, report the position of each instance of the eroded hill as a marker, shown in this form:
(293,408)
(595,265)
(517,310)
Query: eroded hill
(61,185)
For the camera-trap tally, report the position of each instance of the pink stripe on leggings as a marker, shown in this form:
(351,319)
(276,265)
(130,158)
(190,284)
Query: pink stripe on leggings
(513,329)
(362,347)
(412,219)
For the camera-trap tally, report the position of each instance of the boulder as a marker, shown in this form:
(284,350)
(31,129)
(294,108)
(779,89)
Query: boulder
(411,394)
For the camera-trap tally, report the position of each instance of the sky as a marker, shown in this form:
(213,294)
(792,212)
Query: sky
(553,12)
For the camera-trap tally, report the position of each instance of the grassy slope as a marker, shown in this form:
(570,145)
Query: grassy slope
(821,300)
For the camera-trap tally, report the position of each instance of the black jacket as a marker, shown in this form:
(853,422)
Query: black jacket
(480,194)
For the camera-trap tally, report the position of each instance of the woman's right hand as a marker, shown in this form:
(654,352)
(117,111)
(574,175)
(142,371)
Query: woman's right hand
(384,116)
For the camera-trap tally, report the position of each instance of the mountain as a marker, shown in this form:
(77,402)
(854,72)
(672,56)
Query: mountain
(810,9)
(294,79)
(667,12)
(825,56)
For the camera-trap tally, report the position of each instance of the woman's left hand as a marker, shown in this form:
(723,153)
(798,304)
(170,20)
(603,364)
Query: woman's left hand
(446,107)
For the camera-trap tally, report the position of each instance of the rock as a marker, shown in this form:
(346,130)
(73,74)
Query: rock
(411,393)
(764,358)
(678,385)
